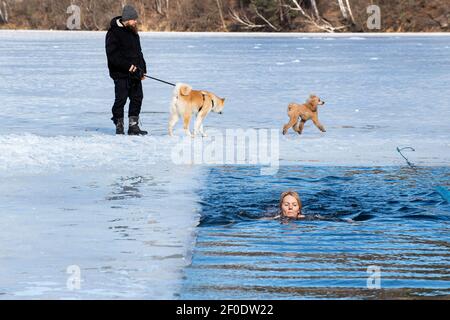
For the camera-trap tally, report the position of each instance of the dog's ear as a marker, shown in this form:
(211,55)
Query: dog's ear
(312,103)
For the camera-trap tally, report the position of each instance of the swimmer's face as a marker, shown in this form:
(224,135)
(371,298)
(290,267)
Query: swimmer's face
(290,207)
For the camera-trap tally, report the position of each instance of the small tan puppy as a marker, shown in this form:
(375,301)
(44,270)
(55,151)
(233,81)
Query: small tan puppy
(299,114)
(187,102)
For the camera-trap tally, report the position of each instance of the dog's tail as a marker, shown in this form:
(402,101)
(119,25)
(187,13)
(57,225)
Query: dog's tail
(182,89)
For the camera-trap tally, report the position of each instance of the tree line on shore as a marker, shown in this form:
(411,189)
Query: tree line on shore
(234,15)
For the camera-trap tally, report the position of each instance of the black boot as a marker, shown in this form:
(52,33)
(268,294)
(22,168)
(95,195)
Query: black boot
(134,129)
(119,126)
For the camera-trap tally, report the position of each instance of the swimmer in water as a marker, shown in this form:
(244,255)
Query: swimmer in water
(290,206)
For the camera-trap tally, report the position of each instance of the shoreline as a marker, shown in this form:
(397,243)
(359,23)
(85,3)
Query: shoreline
(251,34)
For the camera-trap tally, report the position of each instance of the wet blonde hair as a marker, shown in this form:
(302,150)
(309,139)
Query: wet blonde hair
(292,194)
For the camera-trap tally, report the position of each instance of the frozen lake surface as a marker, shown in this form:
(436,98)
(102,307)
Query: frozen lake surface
(121,210)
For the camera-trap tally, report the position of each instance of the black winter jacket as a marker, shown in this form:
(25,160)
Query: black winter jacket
(123,49)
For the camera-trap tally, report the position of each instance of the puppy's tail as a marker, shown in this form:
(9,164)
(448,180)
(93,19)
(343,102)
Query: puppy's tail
(182,89)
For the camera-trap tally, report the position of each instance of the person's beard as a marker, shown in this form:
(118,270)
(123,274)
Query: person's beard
(133,29)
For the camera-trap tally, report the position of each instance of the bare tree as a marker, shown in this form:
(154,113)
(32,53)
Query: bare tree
(350,11)
(318,22)
(219,6)
(346,10)
(280,8)
(245,21)
(140,6)
(162,7)
(265,19)
(3,12)
(91,9)
(343,9)
(316,11)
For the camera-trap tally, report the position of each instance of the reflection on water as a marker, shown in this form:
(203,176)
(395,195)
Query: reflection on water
(401,226)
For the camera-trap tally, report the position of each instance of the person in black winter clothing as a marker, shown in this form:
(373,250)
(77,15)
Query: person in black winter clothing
(127,68)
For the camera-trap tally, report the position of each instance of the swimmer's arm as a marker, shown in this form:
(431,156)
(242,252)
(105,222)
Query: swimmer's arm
(271,218)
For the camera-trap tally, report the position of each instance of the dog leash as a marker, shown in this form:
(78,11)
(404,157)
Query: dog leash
(443,191)
(156,79)
(407,161)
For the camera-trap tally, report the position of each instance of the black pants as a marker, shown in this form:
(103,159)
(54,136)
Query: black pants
(127,88)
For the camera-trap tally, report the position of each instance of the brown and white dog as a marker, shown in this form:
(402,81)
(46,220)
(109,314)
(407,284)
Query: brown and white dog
(299,114)
(187,102)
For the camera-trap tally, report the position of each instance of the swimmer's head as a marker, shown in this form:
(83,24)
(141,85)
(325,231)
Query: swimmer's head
(290,205)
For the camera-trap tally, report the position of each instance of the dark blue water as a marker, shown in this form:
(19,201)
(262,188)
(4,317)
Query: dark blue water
(401,225)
